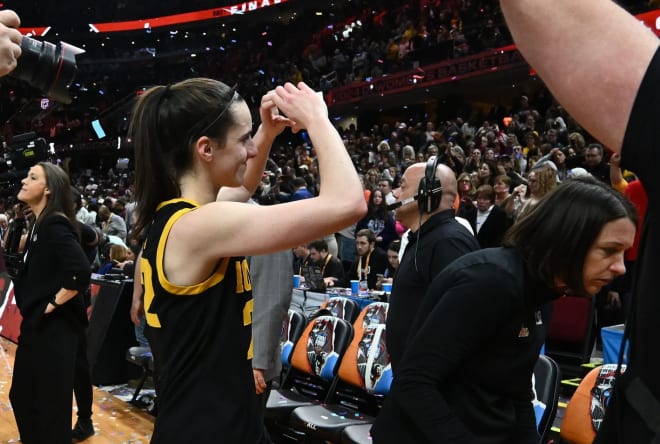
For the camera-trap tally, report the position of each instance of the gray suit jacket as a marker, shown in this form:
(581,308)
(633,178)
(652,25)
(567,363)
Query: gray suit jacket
(272,286)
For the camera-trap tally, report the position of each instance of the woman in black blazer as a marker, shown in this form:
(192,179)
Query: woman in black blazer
(49,291)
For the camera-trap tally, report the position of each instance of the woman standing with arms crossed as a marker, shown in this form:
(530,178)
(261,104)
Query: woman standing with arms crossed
(49,286)
(193,142)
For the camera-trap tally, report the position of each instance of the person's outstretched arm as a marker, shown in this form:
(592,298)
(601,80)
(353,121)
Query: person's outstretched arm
(592,54)
(225,229)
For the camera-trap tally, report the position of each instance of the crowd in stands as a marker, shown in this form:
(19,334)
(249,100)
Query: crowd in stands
(356,41)
(505,160)
(520,152)
(512,165)
(352,42)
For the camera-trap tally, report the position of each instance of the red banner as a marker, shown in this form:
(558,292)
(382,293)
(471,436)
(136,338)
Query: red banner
(176,19)
(651,18)
(169,20)
(39,31)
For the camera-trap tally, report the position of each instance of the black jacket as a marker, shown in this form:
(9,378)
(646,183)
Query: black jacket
(442,239)
(492,230)
(466,373)
(53,259)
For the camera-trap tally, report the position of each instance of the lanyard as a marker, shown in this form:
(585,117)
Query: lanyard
(366,267)
(327,259)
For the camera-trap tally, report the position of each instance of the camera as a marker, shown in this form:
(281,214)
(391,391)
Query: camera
(18,155)
(25,150)
(48,67)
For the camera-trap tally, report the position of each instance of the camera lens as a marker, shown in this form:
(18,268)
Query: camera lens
(48,67)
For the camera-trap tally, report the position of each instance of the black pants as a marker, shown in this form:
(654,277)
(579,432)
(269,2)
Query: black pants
(82,383)
(42,383)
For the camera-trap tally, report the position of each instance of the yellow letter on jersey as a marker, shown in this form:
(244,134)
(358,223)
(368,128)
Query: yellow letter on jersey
(146,273)
(243,282)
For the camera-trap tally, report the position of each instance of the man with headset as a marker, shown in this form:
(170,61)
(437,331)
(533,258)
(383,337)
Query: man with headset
(424,205)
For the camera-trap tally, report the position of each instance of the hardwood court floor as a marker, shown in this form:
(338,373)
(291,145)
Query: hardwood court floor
(115,421)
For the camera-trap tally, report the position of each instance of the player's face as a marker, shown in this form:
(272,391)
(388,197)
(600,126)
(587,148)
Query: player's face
(238,149)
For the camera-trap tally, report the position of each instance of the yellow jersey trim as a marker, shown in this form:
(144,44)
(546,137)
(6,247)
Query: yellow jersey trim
(184,290)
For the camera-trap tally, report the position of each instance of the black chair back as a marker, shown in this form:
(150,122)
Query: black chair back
(547,381)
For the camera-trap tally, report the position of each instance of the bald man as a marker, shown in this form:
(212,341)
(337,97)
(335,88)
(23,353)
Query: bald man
(436,238)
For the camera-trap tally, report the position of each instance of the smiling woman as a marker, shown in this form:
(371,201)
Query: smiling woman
(467,370)
(197,163)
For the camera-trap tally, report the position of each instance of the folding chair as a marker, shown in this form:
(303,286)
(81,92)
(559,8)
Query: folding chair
(365,376)
(292,328)
(342,307)
(313,371)
(547,381)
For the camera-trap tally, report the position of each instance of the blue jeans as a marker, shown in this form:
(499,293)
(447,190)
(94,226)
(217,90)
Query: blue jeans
(139,333)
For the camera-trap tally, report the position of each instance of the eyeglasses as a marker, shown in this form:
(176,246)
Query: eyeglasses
(233,95)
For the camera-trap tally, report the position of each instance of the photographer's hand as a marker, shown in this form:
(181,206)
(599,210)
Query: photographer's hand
(10,41)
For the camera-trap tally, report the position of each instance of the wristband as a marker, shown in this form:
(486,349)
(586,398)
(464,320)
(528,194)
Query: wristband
(54,304)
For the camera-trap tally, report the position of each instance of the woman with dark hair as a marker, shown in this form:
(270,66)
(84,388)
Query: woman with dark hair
(487,173)
(393,263)
(467,369)
(558,157)
(467,193)
(197,164)
(378,220)
(49,288)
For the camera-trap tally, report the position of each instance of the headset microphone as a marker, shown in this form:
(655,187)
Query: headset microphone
(401,203)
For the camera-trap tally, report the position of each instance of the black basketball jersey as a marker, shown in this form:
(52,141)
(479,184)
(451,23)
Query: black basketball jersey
(200,337)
